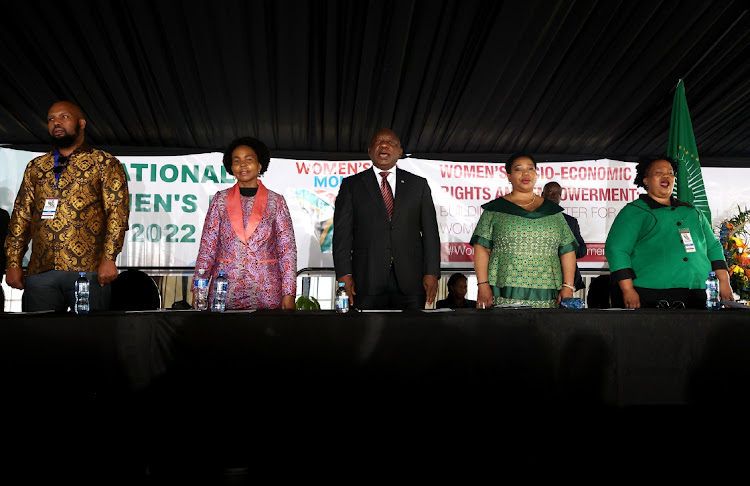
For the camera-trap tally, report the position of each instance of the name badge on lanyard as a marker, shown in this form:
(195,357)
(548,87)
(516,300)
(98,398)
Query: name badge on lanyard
(687,240)
(50,207)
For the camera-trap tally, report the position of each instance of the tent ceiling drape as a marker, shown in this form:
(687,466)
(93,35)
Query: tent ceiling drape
(456,79)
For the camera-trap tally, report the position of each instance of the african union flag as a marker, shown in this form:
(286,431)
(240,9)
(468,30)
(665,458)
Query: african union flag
(682,148)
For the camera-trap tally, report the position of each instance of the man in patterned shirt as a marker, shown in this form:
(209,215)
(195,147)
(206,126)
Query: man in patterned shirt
(73,204)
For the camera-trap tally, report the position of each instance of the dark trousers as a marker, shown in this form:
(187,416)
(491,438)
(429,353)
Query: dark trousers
(55,290)
(393,298)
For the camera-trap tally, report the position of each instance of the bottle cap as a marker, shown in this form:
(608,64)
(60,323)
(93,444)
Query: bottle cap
(341,284)
(221,273)
(712,273)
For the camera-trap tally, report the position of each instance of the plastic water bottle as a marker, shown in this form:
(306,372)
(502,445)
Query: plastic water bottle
(82,294)
(342,299)
(219,304)
(201,290)
(712,292)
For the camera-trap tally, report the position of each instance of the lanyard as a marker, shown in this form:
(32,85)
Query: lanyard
(59,163)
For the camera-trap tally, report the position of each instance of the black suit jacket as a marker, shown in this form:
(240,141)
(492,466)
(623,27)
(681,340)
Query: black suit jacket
(580,251)
(364,240)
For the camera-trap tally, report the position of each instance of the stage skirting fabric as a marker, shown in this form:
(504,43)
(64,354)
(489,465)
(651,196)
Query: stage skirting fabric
(181,396)
(582,358)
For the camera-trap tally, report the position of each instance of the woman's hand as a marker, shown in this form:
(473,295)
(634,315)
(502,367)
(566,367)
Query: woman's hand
(287,302)
(629,295)
(726,294)
(631,298)
(481,264)
(484,296)
(564,293)
(725,287)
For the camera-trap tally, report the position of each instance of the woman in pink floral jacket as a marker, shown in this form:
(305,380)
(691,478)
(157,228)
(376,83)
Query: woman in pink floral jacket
(248,233)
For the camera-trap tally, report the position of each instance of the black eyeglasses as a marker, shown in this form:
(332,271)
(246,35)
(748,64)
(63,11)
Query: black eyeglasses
(61,163)
(677,304)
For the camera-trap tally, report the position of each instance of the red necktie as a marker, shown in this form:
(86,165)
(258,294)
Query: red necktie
(385,188)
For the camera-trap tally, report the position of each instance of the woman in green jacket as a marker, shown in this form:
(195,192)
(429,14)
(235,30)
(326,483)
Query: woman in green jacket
(661,249)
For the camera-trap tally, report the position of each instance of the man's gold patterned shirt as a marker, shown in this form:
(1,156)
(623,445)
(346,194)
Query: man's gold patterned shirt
(91,218)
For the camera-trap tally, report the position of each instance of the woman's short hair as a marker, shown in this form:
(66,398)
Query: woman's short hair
(645,162)
(455,278)
(264,156)
(518,155)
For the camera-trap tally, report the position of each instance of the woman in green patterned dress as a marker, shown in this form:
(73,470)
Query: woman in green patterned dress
(523,247)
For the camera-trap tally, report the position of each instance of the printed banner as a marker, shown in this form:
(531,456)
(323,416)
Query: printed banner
(169,198)
(592,191)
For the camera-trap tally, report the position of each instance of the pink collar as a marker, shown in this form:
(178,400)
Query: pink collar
(234,208)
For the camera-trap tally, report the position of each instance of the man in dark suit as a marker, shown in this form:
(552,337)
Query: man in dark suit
(386,261)
(552,191)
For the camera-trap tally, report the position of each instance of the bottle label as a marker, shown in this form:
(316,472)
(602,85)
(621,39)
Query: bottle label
(712,294)
(342,302)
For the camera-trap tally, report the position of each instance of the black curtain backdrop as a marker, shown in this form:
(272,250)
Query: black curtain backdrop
(456,79)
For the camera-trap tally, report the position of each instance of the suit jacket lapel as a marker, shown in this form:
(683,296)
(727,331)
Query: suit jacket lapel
(234,210)
(402,191)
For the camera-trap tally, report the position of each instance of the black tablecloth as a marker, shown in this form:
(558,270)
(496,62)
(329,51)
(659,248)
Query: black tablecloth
(167,378)
(620,358)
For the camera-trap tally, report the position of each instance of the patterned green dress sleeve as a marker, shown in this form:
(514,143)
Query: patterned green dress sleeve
(483,231)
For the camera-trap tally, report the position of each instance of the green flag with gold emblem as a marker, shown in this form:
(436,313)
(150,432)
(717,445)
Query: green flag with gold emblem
(682,148)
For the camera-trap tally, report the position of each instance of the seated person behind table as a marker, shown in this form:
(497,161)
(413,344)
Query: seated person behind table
(248,233)
(456,294)
(647,247)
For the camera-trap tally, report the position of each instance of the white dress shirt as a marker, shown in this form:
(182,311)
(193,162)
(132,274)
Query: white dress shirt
(391,178)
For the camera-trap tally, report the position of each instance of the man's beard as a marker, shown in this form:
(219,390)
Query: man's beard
(67,140)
